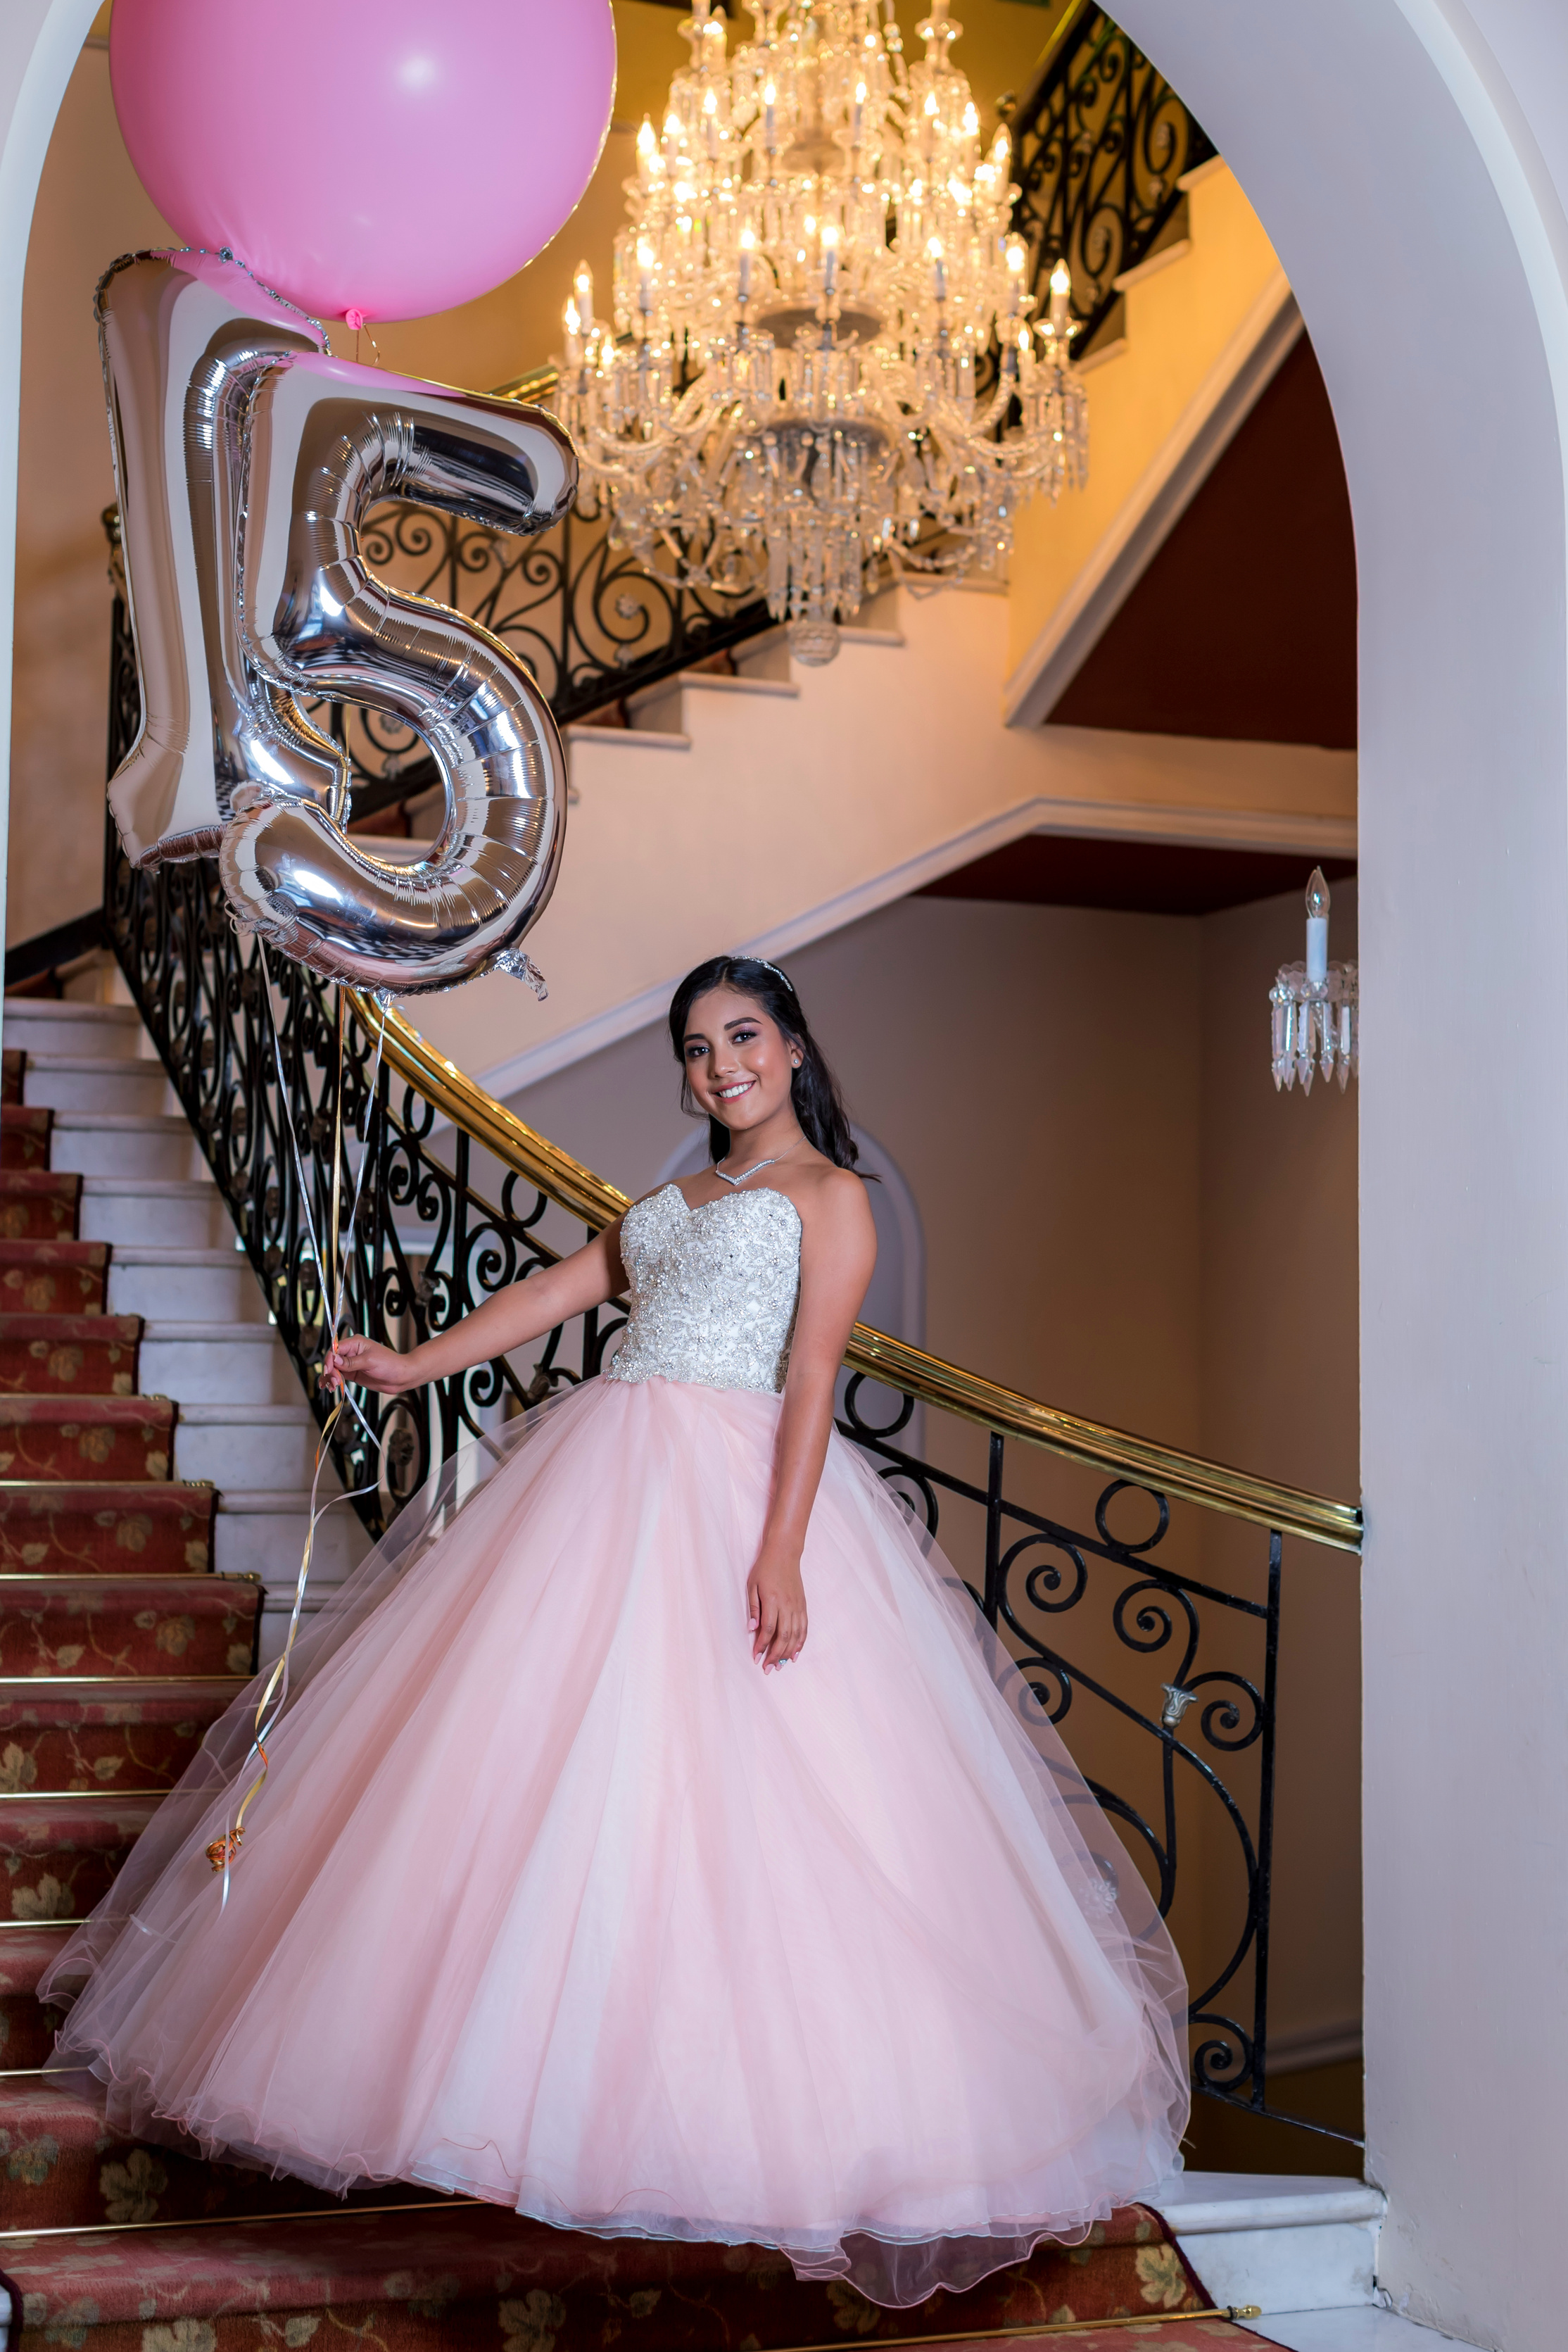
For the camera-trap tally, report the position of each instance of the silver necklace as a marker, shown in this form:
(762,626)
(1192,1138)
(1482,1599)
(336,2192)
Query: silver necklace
(756,1170)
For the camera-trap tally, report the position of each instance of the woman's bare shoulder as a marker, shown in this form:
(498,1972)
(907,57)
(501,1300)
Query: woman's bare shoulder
(832,1196)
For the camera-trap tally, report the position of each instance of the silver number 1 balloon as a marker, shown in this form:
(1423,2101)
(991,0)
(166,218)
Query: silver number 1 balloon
(246,457)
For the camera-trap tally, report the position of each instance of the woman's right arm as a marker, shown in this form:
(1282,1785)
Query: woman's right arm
(523,1311)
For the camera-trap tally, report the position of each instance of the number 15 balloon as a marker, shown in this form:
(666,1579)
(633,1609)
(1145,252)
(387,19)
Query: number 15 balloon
(246,457)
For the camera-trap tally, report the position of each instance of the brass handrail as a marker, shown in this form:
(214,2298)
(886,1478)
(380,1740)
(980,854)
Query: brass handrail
(1166,1468)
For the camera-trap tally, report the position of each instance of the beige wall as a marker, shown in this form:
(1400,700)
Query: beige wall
(1122,1218)
(90,208)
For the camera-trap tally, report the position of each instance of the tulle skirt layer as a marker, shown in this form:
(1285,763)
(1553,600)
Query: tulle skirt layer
(552,1896)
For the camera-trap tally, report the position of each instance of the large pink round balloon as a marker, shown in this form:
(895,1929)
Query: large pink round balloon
(392,156)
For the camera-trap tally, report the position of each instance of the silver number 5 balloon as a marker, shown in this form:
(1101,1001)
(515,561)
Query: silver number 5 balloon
(245,458)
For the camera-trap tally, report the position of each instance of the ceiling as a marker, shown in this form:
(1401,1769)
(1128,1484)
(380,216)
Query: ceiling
(1142,878)
(1243,626)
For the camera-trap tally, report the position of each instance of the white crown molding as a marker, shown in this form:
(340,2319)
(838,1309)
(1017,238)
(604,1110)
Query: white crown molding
(1167,487)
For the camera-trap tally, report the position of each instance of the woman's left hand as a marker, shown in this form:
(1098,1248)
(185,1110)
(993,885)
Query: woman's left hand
(775,1611)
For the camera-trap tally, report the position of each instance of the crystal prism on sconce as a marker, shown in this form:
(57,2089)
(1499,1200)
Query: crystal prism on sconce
(1315,1006)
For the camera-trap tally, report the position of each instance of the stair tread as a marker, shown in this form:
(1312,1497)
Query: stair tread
(116,1065)
(279,1502)
(121,1122)
(454,2252)
(48,1184)
(169,1254)
(214,1328)
(267,1416)
(123,1329)
(124,1586)
(105,1702)
(131,1412)
(162,1498)
(48,1251)
(278,2264)
(25,1953)
(108,1818)
(58,1010)
(128,1188)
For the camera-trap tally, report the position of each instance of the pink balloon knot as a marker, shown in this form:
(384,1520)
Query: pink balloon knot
(354,318)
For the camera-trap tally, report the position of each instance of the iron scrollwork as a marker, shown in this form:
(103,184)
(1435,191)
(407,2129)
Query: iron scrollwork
(593,625)
(1100,147)
(1038,1574)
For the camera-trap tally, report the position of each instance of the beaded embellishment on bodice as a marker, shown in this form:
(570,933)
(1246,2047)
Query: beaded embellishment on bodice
(714,1289)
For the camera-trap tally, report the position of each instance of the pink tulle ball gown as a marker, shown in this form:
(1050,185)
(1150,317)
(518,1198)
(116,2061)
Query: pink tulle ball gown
(554,1897)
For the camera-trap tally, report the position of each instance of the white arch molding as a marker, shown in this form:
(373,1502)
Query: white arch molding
(1409,159)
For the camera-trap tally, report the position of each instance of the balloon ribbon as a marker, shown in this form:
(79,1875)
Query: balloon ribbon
(223,1851)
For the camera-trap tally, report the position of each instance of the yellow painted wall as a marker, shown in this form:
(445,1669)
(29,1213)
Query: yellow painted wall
(1179,321)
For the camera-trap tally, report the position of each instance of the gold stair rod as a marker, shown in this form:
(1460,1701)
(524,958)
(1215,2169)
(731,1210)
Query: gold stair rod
(1167,1468)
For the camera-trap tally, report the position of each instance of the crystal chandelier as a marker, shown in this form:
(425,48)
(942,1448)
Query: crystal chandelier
(821,369)
(1315,1007)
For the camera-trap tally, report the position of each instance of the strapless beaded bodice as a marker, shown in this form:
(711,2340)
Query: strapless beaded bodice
(713,1289)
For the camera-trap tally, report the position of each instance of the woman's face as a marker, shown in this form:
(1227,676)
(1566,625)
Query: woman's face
(739,1062)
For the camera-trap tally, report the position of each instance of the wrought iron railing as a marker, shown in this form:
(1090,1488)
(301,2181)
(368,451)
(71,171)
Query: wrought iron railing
(1101,1590)
(1101,145)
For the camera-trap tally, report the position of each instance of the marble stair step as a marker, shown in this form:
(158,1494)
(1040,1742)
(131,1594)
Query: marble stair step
(200,1624)
(248,1445)
(232,1363)
(42,1025)
(98,1082)
(261,1531)
(176,1212)
(171,1284)
(120,1143)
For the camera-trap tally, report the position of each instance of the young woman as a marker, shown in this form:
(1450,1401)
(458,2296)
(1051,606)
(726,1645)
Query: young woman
(658,1842)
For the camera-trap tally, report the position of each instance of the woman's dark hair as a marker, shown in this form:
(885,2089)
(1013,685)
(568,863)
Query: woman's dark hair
(814,1093)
